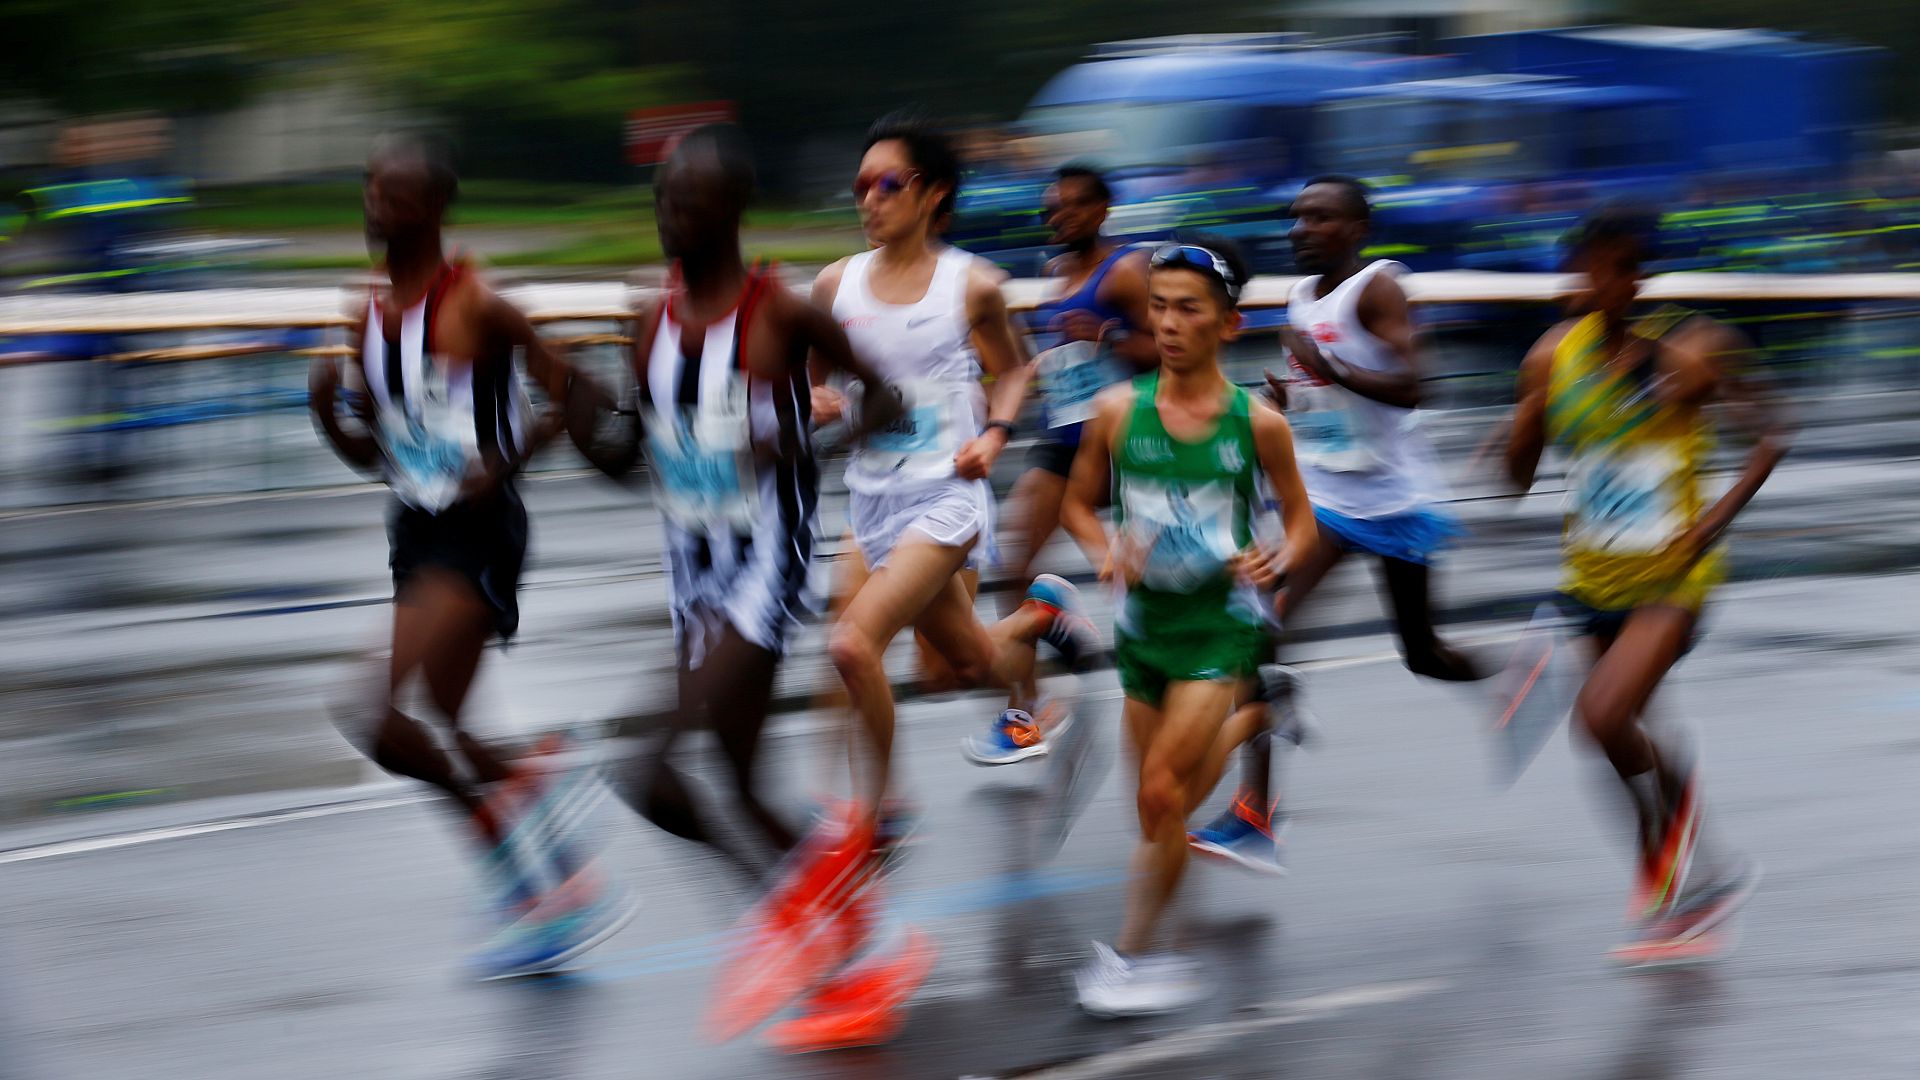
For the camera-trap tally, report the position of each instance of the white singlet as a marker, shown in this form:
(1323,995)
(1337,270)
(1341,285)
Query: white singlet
(903,477)
(1358,457)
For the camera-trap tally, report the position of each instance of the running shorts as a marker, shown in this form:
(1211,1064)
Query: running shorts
(1053,457)
(1415,537)
(1223,649)
(483,542)
(951,513)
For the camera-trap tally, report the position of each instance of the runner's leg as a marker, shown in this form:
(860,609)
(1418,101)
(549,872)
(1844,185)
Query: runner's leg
(440,624)
(1256,780)
(1407,586)
(892,597)
(1176,740)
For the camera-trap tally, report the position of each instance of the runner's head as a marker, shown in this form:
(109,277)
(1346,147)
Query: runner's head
(701,192)
(410,183)
(1076,207)
(1331,217)
(1193,299)
(907,179)
(1610,247)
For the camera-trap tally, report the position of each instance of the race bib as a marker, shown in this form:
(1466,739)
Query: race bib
(921,443)
(1185,529)
(430,454)
(1624,502)
(702,462)
(1327,433)
(1071,376)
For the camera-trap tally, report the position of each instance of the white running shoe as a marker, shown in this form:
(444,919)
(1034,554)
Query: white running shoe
(1111,986)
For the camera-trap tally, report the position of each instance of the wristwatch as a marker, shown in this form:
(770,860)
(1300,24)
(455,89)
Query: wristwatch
(1003,425)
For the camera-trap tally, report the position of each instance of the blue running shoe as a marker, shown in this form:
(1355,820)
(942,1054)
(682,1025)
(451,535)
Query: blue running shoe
(1015,736)
(1243,834)
(567,922)
(1070,632)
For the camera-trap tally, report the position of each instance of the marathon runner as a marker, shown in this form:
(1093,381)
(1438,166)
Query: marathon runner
(724,409)
(1623,394)
(448,425)
(1350,393)
(1096,327)
(1183,448)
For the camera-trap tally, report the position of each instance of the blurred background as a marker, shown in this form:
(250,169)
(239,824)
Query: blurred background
(189,572)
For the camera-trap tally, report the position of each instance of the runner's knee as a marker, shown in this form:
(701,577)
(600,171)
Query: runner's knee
(851,651)
(1161,794)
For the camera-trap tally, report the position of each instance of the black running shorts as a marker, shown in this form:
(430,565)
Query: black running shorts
(486,543)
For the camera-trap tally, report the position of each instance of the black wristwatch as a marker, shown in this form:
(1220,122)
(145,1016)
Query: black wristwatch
(1003,425)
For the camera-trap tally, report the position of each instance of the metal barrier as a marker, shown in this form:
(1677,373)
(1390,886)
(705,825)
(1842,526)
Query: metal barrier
(199,403)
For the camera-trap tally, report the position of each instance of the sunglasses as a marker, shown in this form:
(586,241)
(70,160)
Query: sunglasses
(1195,257)
(889,184)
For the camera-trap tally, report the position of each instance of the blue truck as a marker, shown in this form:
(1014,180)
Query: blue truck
(1481,156)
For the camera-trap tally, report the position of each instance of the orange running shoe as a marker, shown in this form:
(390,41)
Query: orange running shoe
(863,1005)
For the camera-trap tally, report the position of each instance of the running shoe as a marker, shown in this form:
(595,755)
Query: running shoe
(1014,737)
(1111,985)
(1532,694)
(801,931)
(1069,630)
(564,924)
(1246,834)
(1696,927)
(861,1006)
(1667,864)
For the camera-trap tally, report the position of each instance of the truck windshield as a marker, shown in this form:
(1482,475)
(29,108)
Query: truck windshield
(1424,140)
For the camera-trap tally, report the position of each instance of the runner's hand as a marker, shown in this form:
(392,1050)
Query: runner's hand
(1081,326)
(1126,561)
(1276,390)
(880,405)
(828,405)
(1306,354)
(975,460)
(1254,565)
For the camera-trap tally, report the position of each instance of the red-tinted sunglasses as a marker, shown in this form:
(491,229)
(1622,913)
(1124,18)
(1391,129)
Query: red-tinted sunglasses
(890,184)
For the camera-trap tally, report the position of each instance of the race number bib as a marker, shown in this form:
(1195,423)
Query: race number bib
(1327,433)
(702,462)
(1624,502)
(1185,529)
(1071,376)
(921,443)
(431,453)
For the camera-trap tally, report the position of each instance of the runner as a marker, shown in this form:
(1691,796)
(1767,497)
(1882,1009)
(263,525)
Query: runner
(448,425)
(1183,448)
(1096,326)
(1624,395)
(724,406)
(1352,385)
(930,318)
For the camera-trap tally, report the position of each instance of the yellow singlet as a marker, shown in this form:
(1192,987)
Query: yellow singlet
(1633,483)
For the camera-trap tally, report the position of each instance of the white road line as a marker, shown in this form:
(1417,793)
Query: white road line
(1194,1041)
(92,844)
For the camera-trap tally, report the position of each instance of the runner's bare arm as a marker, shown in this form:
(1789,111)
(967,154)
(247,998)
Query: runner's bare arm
(1003,357)
(1125,287)
(1273,441)
(1527,439)
(614,449)
(1384,312)
(1711,356)
(357,449)
(826,349)
(1092,472)
(828,405)
(505,322)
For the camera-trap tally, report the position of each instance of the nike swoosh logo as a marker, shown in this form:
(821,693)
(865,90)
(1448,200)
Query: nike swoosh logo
(922,321)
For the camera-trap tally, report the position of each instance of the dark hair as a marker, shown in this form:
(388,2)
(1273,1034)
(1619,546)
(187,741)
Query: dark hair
(928,147)
(1617,221)
(1358,203)
(731,153)
(1087,175)
(434,154)
(1229,253)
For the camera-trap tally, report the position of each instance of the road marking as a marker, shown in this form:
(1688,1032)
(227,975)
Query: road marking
(112,842)
(1194,1041)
